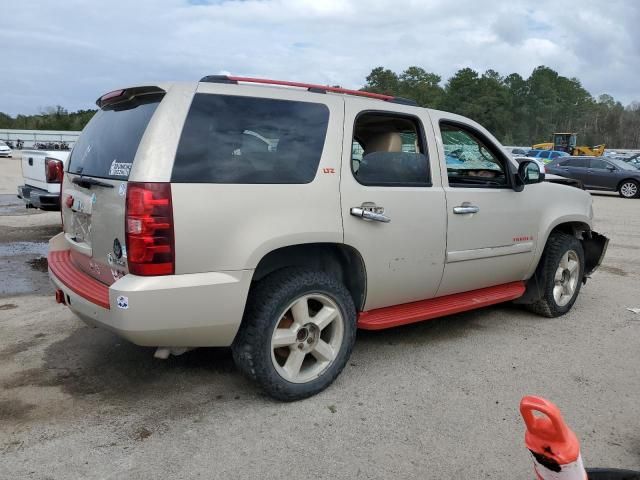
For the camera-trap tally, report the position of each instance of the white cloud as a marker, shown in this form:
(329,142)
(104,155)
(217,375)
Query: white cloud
(69,53)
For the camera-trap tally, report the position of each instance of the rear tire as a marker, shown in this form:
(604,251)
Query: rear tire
(629,189)
(561,269)
(297,333)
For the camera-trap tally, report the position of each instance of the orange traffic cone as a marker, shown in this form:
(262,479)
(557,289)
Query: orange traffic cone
(554,448)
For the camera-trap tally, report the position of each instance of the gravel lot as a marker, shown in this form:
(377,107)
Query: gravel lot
(432,400)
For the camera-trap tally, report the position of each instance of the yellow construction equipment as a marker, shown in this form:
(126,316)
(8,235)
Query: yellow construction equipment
(567,142)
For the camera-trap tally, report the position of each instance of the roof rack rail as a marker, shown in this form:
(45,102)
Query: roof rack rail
(309,86)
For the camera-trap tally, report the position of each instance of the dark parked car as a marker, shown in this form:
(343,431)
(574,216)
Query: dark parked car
(599,173)
(550,177)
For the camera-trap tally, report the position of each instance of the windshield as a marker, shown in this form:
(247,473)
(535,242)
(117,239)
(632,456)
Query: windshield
(463,152)
(109,142)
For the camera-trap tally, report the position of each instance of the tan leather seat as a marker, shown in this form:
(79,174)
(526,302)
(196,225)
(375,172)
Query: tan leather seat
(384,142)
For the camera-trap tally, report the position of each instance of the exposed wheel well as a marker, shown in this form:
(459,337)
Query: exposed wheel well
(342,261)
(572,228)
(593,243)
(626,180)
(582,232)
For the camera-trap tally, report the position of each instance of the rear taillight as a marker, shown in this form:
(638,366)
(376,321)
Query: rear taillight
(149,229)
(53,169)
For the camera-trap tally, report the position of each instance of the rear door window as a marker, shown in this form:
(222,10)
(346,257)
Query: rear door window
(577,162)
(110,140)
(233,139)
(388,150)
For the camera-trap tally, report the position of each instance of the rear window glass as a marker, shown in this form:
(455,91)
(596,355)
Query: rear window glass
(110,140)
(232,139)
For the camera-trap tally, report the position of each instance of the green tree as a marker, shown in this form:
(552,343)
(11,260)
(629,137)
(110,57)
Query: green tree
(51,118)
(422,86)
(519,111)
(382,80)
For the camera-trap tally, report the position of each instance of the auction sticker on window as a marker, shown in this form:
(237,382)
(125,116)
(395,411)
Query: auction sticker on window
(120,169)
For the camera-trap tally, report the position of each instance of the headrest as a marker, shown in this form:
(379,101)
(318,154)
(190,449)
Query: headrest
(384,142)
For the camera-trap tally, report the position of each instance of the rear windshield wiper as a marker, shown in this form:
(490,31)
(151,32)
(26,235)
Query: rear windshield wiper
(87,182)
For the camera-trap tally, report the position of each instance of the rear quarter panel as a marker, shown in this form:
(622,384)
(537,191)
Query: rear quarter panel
(222,227)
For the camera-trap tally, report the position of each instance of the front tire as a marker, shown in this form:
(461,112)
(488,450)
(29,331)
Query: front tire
(629,189)
(561,270)
(297,333)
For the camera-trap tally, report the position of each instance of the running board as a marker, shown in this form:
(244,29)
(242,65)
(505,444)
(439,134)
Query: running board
(388,317)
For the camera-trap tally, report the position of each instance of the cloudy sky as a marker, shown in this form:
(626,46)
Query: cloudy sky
(70,52)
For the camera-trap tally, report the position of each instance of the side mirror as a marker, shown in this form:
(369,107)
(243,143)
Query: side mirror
(611,168)
(529,172)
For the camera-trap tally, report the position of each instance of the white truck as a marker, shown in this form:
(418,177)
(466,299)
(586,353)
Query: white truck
(42,172)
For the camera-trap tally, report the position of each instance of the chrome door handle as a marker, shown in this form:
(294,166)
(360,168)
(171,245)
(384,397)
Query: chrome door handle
(368,215)
(466,208)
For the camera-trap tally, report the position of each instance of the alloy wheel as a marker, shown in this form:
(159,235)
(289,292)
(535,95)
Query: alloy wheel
(307,338)
(566,278)
(629,190)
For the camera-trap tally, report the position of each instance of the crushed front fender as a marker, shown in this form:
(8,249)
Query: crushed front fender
(595,247)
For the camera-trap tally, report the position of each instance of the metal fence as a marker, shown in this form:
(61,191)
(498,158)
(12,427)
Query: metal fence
(31,138)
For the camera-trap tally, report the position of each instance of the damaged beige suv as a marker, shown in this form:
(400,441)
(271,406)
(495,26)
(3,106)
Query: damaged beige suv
(277,218)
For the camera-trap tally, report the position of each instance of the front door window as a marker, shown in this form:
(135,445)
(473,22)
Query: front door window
(469,160)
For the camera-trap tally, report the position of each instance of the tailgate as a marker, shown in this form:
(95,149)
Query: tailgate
(33,168)
(94,225)
(95,186)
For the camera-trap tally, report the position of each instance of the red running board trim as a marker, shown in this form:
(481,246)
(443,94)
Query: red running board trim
(388,317)
(76,280)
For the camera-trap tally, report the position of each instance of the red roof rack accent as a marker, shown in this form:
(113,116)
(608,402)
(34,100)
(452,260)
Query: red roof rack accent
(309,86)
(326,88)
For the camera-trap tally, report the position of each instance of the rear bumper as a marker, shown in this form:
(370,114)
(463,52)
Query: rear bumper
(38,198)
(191,310)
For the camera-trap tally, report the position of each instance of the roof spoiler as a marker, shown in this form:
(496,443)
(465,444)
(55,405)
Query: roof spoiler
(126,94)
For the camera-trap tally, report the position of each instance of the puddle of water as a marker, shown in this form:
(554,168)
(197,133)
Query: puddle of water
(23,268)
(23,248)
(39,264)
